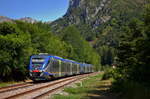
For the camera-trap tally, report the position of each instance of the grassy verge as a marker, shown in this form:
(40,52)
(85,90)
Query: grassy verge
(92,87)
(4,84)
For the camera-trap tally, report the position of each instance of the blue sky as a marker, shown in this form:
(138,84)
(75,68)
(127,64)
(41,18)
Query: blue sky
(44,10)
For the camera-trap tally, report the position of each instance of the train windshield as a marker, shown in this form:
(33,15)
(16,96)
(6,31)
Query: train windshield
(37,62)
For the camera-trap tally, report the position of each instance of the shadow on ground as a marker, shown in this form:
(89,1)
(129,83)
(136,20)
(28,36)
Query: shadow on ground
(102,91)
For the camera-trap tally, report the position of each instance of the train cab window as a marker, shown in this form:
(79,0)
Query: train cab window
(37,62)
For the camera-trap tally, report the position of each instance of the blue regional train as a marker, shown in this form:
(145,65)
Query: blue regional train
(45,67)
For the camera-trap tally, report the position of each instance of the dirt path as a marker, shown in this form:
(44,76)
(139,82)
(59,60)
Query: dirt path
(101,91)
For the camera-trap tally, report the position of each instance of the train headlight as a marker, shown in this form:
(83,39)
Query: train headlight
(30,74)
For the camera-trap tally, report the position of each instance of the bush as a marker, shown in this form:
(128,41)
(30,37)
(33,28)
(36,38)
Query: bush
(108,73)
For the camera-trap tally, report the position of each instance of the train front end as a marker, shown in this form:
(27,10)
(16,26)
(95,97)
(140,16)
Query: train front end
(37,67)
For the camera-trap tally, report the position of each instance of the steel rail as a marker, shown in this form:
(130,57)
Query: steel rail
(19,87)
(11,87)
(36,89)
(59,87)
(72,78)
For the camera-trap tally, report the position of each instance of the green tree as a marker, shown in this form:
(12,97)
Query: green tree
(134,51)
(83,52)
(15,49)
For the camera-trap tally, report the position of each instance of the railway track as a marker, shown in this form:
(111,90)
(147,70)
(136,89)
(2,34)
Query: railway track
(55,89)
(38,91)
(14,87)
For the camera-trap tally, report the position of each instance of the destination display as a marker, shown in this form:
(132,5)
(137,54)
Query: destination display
(37,60)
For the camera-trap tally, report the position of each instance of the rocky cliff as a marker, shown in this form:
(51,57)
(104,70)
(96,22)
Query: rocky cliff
(89,15)
(92,12)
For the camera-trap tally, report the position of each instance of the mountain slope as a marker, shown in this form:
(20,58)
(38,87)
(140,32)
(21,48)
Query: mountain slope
(101,22)
(25,19)
(90,15)
(5,19)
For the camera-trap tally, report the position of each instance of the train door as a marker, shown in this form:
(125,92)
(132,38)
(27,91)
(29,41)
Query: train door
(71,69)
(59,68)
(78,68)
(54,67)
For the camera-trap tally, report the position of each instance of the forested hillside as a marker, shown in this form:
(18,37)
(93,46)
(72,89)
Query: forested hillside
(131,75)
(122,12)
(19,40)
(101,23)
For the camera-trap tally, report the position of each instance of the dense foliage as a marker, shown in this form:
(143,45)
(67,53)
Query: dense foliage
(123,42)
(132,72)
(109,35)
(15,49)
(19,40)
(83,51)
(133,52)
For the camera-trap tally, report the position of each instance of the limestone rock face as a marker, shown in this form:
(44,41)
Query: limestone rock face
(84,13)
(89,16)
(92,12)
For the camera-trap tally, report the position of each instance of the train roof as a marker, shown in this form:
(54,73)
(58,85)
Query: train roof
(56,57)
(60,58)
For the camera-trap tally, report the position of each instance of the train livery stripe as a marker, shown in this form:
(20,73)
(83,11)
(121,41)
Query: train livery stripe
(52,73)
(57,72)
